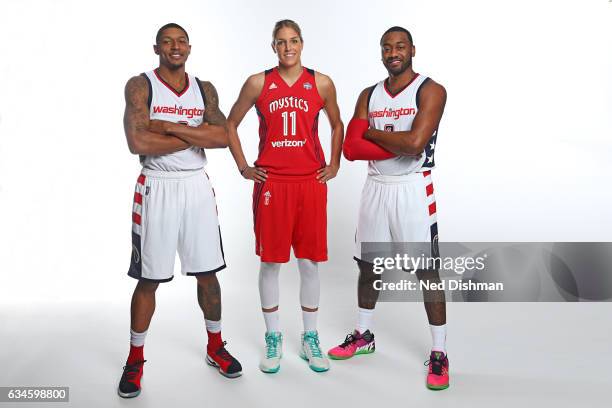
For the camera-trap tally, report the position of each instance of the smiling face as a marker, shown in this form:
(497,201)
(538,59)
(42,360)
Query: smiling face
(173,48)
(288,45)
(397,52)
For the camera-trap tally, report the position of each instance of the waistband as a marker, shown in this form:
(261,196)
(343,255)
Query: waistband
(283,178)
(406,178)
(172,175)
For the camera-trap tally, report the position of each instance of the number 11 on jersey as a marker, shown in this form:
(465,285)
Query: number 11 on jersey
(286,122)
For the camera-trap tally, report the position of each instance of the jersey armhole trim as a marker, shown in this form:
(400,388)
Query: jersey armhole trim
(370,92)
(418,93)
(201,93)
(150,97)
(264,89)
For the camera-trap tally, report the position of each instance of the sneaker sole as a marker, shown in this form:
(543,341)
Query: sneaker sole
(128,394)
(437,387)
(270,370)
(313,368)
(333,357)
(212,363)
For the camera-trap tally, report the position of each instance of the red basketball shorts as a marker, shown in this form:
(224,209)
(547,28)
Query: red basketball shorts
(290,211)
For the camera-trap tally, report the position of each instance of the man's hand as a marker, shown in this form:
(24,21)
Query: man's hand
(327,173)
(257,174)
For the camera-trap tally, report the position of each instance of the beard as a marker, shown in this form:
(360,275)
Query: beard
(399,70)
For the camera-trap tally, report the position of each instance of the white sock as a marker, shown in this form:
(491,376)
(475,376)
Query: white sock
(272,321)
(364,320)
(213,326)
(438,335)
(310,320)
(137,339)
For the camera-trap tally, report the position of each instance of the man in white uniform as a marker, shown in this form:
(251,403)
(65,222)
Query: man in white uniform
(395,127)
(170,118)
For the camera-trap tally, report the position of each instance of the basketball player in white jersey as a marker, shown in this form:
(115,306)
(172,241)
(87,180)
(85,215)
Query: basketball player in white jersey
(170,118)
(394,128)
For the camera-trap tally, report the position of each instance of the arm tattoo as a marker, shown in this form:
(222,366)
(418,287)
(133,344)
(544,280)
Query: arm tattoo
(136,110)
(212,114)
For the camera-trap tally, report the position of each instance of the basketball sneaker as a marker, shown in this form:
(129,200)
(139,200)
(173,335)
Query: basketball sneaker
(222,359)
(129,385)
(437,377)
(270,362)
(354,344)
(311,352)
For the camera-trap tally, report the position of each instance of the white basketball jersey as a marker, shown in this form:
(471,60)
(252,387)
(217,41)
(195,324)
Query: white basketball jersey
(395,113)
(186,107)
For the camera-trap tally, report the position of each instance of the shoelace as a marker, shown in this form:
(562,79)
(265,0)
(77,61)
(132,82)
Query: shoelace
(348,340)
(313,344)
(272,346)
(131,370)
(223,353)
(436,366)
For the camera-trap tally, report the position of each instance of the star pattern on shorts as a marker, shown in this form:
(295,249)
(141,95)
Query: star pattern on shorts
(429,150)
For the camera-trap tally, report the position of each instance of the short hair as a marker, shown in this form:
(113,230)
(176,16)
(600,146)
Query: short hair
(394,29)
(165,27)
(287,23)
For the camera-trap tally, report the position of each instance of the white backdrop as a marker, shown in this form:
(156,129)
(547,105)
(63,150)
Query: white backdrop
(523,153)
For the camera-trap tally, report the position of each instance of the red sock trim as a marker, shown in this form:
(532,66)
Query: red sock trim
(136,354)
(214,340)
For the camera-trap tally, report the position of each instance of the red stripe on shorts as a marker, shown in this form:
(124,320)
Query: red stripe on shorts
(427,173)
(429,189)
(141,179)
(136,218)
(432,208)
(138,198)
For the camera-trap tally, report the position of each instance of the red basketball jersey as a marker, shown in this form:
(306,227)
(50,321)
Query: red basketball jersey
(288,125)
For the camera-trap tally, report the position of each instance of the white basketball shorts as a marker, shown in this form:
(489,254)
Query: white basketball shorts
(397,209)
(174,211)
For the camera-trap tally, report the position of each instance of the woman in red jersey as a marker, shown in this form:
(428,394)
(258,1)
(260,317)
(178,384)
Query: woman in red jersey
(290,175)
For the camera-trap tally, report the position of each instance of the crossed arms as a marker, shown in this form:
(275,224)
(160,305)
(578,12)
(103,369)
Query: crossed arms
(365,143)
(157,137)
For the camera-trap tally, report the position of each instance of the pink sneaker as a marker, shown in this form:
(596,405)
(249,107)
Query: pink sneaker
(354,344)
(437,377)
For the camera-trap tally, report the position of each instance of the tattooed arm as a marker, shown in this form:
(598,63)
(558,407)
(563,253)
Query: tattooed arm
(212,133)
(142,138)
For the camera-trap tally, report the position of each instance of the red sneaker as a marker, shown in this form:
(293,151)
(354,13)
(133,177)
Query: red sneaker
(221,358)
(354,344)
(129,385)
(437,377)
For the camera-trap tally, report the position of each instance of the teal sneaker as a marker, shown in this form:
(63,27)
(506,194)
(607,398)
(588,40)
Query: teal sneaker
(312,353)
(270,362)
